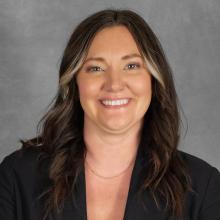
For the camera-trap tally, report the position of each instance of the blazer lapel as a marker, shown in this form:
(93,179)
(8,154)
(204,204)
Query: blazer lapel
(134,207)
(75,204)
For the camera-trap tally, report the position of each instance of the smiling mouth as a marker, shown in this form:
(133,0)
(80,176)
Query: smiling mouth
(115,104)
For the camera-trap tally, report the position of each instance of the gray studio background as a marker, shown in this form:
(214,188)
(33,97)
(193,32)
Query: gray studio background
(33,34)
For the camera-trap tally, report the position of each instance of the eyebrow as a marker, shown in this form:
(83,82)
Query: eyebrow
(128,56)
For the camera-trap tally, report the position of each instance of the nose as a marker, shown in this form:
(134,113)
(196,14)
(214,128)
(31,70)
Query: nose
(114,81)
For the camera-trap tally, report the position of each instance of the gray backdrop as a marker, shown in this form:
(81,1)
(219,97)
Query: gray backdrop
(33,34)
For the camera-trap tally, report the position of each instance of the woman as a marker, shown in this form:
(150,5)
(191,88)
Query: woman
(108,145)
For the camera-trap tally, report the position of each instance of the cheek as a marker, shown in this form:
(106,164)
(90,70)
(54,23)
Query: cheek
(142,86)
(88,89)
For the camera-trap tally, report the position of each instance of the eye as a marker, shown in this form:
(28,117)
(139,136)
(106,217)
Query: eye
(133,65)
(93,69)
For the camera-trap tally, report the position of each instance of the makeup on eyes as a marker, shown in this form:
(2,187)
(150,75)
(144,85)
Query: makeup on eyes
(136,64)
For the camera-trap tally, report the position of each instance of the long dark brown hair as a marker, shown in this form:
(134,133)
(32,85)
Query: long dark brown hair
(60,136)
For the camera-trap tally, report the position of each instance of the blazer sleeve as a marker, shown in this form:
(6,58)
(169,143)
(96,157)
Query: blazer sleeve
(7,201)
(210,209)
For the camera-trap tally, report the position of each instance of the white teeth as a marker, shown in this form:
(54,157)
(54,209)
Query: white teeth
(115,102)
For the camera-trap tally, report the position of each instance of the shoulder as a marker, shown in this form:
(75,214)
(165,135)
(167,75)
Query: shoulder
(197,167)
(21,166)
(200,171)
(205,182)
(22,183)
(21,159)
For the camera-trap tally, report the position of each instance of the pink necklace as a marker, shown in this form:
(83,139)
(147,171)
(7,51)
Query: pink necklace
(104,177)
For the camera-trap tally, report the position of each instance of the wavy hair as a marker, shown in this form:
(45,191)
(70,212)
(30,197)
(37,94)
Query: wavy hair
(60,137)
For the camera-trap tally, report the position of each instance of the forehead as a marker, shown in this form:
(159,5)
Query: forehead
(117,40)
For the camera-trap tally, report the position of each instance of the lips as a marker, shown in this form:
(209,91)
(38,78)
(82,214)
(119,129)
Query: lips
(115,106)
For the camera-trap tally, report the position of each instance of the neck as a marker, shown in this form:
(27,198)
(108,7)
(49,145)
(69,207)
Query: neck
(110,153)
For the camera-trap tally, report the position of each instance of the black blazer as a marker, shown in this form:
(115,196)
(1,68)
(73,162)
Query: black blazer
(21,184)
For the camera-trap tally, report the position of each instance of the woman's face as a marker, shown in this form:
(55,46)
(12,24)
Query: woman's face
(110,72)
